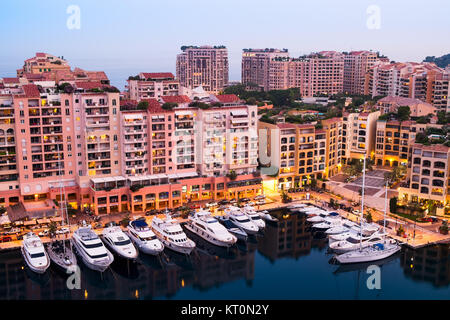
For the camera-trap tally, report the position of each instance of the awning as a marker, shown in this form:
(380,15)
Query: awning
(133,117)
(183,113)
(239,113)
(42,221)
(239,120)
(120,178)
(56,219)
(187,174)
(29,223)
(109,179)
(98,180)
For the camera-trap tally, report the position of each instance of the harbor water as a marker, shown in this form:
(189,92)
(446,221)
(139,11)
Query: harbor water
(288,261)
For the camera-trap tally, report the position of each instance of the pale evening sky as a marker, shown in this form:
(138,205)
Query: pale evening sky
(126,37)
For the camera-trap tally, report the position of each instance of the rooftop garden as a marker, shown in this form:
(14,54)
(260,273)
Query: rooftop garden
(434,136)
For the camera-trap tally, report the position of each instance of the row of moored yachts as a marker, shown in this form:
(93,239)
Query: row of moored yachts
(351,242)
(163,232)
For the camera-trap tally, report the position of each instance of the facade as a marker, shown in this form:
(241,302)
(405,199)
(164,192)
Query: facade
(152,86)
(42,63)
(256,66)
(317,73)
(428,175)
(418,108)
(204,66)
(356,66)
(359,130)
(300,152)
(393,140)
(423,81)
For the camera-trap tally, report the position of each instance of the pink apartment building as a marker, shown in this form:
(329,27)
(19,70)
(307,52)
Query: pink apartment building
(153,85)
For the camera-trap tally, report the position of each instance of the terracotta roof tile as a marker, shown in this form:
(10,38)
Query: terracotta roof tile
(31,91)
(228,98)
(176,99)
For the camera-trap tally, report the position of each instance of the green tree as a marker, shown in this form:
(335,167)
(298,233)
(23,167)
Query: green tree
(403,113)
(232,175)
(143,105)
(52,227)
(393,205)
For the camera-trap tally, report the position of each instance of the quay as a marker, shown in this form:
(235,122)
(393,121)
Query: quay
(417,235)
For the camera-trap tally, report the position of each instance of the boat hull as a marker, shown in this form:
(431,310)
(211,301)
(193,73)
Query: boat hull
(142,247)
(177,248)
(209,238)
(37,269)
(59,261)
(91,265)
(121,254)
(355,257)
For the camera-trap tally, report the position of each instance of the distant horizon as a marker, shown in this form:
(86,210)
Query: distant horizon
(142,36)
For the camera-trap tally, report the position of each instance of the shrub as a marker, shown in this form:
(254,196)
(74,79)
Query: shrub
(169,105)
(393,205)
(143,105)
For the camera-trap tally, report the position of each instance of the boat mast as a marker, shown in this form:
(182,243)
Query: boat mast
(385,210)
(62,195)
(362,202)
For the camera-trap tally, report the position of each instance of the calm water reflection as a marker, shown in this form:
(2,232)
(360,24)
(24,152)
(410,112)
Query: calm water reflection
(288,262)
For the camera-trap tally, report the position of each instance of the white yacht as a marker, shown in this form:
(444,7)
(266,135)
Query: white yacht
(327,224)
(367,228)
(169,231)
(34,253)
(353,243)
(116,240)
(144,238)
(91,249)
(344,236)
(254,216)
(208,228)
(337,229)
(319,217)
(241,220)
(377,251)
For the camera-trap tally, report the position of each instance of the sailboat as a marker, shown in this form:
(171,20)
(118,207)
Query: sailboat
(378,251)
(60,251)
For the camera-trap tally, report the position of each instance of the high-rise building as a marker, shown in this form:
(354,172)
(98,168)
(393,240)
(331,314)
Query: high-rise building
(424,81)
(316,73)
(356,66)
(256,66)
(205,66)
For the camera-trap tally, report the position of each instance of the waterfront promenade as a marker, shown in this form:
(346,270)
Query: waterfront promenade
(417,236)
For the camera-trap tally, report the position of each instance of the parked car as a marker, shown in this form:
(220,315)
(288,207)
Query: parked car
(44,233)
(251,203)
(211,204)
(224,201)
(260,197)
(245,200)
(63,230)
(260,202)
(5,239)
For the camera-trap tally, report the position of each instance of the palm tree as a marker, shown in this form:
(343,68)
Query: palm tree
(52,227)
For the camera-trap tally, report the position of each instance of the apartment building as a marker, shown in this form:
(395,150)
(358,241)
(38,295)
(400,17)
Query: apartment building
(358,135)
(423,81)
(316,73)
(183,165)
(333,134)
(300,152)
(393,140)
(256,65)
(417,107)
(428,175)
(204,66)
(42,63)
(152,85)
(356,66)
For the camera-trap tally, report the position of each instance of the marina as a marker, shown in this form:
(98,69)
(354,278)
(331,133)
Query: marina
(288,261)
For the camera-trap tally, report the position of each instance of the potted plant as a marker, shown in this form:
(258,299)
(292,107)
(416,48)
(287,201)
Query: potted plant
(400,231)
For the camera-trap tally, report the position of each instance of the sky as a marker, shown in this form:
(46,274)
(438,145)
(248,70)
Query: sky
(127,37)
